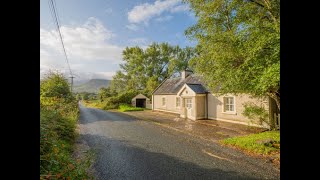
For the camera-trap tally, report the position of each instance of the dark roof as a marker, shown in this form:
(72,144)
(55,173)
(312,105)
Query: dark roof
(198,88)
(173,85)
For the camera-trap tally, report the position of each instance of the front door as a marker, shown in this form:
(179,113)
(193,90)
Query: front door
(188,105)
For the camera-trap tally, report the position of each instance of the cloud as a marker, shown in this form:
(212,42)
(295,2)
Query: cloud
(180,8)
(88,48)
(103,75)
(164,18)
(144,12)
(94,75)
(132,27)
(139,41)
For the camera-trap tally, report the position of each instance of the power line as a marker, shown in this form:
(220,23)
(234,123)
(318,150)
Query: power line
(54,13)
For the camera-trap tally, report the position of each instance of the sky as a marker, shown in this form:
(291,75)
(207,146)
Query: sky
(95,32)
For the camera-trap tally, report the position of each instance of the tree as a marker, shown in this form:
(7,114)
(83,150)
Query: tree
(55,84)
(181,59)
(144,70)
(104,93)
(238,45)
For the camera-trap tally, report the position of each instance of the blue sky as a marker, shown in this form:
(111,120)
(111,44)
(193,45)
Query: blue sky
(96,31)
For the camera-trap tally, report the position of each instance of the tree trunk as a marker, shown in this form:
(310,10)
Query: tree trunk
(276,97)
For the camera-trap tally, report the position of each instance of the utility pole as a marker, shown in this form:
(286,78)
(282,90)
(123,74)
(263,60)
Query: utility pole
(71,82)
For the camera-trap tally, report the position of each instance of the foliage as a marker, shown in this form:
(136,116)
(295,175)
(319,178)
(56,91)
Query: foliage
(144,70)
(125,107)
(105,93)
(255,112)
(58,117)
(55,84)
(86,96)
(238,45)
(113,102)
(252,143)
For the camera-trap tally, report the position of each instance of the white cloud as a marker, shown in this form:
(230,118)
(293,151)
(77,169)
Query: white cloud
(139,41)
(87,45)
(164,18)
(132,27)
(103,75)
(94,75)
(146,11)
(88,41)
(180,8)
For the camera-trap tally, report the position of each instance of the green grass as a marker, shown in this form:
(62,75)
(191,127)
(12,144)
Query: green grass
(94,104)
(251,142)
(124,108)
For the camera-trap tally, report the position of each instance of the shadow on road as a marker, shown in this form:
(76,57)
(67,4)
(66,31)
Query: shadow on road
(118,159)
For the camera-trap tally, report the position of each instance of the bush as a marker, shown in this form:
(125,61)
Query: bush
(125,107)
(58,118)
(113,102)
(255,112)
(55,85)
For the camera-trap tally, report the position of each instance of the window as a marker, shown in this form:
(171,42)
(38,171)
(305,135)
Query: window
(189,103)
(177,101)
(228,104)
(163,101)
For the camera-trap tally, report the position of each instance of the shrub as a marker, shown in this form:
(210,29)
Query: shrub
(125,107)
(58,117)
(255,112)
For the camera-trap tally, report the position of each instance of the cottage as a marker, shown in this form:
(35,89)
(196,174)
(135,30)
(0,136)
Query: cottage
(188,96)
(141,100)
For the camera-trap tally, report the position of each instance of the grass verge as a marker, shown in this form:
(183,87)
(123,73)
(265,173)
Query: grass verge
(125,108)
(264,143)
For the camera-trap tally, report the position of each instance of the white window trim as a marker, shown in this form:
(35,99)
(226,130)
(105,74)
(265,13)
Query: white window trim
(165,100)
(178,107)
(186,103)
(234,106)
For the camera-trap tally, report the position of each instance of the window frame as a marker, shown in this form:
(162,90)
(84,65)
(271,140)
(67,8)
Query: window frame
(226,103)
(178,106)
(189,103)
(165,101)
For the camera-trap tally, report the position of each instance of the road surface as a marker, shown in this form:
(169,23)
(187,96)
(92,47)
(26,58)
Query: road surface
(127,148)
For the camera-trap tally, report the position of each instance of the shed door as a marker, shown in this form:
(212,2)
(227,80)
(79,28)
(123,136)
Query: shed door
(141,103)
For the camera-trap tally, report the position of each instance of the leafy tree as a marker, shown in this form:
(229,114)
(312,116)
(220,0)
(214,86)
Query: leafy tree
(85,96)
(55,84)
(181,59)
(144,70)
(104,93)
(238,45)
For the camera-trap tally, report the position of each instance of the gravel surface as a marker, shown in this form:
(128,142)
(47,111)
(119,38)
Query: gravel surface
(127,148)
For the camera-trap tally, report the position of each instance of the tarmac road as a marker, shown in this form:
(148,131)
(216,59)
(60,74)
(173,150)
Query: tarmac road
(127,148)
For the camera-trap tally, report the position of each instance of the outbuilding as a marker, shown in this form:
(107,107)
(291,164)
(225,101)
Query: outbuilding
(141,100)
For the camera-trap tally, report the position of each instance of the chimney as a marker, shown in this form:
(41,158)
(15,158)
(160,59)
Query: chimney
(185,73)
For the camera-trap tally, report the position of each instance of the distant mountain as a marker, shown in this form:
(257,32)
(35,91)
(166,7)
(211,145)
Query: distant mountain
(91,86)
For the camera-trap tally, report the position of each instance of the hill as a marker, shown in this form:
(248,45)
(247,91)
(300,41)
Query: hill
(91,86)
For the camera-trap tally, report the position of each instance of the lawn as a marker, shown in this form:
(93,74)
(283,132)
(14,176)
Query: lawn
(262,143)
(125,108)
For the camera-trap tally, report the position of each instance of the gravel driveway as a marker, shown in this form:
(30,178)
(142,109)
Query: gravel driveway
(127,148)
